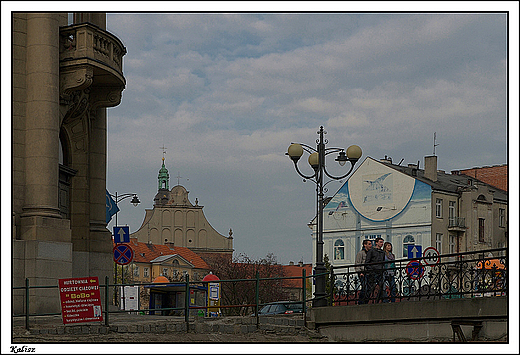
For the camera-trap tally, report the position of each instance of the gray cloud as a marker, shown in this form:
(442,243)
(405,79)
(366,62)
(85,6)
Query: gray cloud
(227,93)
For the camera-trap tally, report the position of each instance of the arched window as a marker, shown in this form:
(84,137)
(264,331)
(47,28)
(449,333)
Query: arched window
(66,173)
(408,240)
(339,250)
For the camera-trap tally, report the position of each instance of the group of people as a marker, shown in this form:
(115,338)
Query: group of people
(375,266)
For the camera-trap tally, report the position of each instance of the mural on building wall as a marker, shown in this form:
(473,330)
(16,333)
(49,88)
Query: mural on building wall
(374,201)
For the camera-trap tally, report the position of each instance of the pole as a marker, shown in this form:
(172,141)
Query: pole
(257,296)
(106,301)
(319,291)
(187,305)
(27,303)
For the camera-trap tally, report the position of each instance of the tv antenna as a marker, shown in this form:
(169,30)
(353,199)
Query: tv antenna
(434,141)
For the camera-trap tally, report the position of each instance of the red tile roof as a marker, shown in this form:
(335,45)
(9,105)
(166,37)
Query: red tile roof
(144,253)
(296,271)
(493,175)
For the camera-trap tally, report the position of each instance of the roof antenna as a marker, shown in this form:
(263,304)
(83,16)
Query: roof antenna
(434,141)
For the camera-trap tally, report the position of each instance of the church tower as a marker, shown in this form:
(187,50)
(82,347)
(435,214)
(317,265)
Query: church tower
(164,177)
(178,222)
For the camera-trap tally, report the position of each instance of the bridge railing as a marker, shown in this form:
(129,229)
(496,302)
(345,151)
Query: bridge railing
(482,273)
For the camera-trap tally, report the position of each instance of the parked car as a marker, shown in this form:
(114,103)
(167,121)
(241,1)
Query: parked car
(280,308)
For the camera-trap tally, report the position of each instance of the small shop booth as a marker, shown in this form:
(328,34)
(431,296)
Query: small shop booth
(165,294)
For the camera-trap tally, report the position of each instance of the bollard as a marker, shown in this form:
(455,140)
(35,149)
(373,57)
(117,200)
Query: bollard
(187,305)
(27,303)
(106,301)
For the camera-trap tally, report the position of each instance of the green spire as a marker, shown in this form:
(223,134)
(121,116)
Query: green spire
(164,177)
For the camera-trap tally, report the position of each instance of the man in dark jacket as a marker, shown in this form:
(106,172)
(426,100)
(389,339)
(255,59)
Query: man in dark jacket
(360,268)
(375,271)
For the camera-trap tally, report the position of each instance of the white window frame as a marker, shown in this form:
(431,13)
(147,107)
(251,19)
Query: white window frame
(452,210)
(165,271)
(438,207)
(136,270)
(339,247)
(146,272)
(438,242)
(452,244)
(501,217)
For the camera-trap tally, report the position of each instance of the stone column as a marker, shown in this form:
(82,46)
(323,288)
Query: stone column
(42,116)
(45,236)
(100,251)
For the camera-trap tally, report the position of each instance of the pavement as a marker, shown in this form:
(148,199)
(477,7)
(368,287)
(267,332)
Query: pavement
(135,328)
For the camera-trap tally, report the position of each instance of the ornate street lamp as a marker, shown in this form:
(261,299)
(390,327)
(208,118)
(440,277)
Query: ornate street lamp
(118,198)
(317,162)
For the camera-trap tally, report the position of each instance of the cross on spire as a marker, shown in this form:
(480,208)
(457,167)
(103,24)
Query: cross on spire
(164,151)
(179,177)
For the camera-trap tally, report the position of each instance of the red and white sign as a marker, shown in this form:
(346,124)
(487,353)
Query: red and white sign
(80,300)
(431,256)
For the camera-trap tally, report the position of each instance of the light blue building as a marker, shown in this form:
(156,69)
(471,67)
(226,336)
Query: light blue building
(405,205)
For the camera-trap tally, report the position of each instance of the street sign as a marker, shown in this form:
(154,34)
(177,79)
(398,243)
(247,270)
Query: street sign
(121,234)
(123,254)
(414,269)
(431,256)
(414,251)
(80,300)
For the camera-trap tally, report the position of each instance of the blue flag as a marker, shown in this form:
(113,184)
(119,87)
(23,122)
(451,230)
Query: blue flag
(111,205)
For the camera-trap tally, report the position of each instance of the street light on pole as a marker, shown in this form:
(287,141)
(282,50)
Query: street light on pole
(118,198)
(317,162)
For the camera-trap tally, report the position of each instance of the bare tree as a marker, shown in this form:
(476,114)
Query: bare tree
(243,292)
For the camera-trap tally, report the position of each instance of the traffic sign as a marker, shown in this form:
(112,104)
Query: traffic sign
(431,256)
(123,254)
(121,234)
(414,251)
(414,269)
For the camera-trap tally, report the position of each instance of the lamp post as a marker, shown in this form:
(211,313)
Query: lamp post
(135,201)
(317,162)
(118,198)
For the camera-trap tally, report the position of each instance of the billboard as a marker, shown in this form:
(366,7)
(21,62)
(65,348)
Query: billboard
(80,300)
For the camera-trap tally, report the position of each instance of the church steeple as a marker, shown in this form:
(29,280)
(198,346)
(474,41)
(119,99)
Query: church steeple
(164,177)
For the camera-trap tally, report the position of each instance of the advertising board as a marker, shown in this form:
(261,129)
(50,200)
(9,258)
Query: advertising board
(80,300)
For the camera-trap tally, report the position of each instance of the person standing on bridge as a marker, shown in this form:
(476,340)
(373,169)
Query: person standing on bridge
(360,269)
(390,271)
(374,266)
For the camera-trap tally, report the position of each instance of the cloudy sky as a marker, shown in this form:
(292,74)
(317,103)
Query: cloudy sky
(227,93)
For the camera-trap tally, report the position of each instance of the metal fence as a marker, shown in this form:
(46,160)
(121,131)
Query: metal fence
(186,310)
(462,275)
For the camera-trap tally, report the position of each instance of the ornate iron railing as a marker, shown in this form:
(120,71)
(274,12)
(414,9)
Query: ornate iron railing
(463,275)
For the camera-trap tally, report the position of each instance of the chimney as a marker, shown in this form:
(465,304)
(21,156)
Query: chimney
(430,167)
(300,263)
(291,263)
(169,244)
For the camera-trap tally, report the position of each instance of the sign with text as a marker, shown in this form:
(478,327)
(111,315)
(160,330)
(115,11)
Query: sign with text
(80,300)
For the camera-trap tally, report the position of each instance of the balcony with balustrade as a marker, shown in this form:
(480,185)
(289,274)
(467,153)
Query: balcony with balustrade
(456,224)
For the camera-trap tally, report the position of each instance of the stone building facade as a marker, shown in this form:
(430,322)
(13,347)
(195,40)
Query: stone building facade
(64,77)
(175,220)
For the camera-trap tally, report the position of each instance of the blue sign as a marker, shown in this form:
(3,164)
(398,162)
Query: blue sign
(414,251)
(123,254)
(414,269)
(122,234)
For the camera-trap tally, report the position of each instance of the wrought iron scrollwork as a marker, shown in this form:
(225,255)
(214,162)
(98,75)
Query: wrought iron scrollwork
(463,275)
